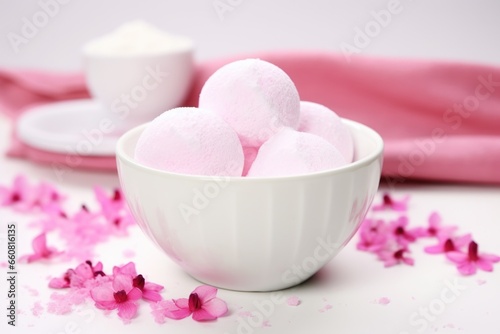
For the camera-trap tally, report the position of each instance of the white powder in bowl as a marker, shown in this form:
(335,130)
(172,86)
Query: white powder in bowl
(137,38)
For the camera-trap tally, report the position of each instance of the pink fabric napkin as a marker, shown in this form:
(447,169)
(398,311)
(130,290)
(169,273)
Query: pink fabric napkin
(439,120)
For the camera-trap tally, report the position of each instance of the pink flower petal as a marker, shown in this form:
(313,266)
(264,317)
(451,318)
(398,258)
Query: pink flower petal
(205,292)
(100,195)
(20,184)
(216,307)
(122,282)
(58,283)
(127,310)
(434,220)
(4,195)
(106,305)
(98,266)
(181,303)
(47,196)
(172,311)
(484,265)
(84,271)
(151,295)
(39,244)
(203,315)
(157,312)
(134,294)
(153,286)
(467,268)
(436,249)
(383,301)
(128,269)
(389,203)
(102,293)
(490,257)
(293,301)
(463,239)
(33,258)
(457,257)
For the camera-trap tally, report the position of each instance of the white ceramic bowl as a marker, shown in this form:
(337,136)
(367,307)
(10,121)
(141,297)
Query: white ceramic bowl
(135,88)
(252,234)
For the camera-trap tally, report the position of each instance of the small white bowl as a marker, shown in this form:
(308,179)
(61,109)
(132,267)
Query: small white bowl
(134,88)
(252,234)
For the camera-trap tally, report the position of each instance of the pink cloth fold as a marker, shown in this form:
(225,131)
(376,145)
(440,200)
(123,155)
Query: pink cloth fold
(22,88)
(440,120)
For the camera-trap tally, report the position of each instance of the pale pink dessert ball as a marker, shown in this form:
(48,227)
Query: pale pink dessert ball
(254,97)
(290,152)
(322,121)
(190,141)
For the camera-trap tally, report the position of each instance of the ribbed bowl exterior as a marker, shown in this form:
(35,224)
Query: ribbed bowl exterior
(252,234)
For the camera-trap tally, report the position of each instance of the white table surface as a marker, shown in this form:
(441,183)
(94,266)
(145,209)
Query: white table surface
(351,283)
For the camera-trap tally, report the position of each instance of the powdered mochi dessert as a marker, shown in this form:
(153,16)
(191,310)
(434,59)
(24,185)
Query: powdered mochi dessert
(290,152)
(254,97)
(190,141)
(322,121)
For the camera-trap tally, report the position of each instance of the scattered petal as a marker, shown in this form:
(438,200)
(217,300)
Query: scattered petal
(37,309)
(434,228)
(395,256)
(373,235)
(25,197)
(293,301)
(468,263)
(41,250)
(326,308)
(202,304)
(389,203)
(384,301)
(481,281)
(173,310)
(127,310)
(448,244)
(402,234)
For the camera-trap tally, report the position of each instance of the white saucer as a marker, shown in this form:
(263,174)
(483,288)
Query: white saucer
(69,127)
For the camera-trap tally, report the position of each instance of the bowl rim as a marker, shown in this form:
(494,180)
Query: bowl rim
(367,160)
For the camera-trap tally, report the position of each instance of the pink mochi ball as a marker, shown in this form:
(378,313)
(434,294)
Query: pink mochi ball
(290,152)
(254,97)
(190,141)
(321,121)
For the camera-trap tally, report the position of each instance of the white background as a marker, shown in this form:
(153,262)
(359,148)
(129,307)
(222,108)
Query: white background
(447,29)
